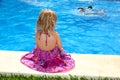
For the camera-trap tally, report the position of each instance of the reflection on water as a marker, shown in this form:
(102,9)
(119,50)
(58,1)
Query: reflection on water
(38,3)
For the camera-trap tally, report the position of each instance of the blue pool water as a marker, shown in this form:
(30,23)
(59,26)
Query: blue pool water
(79,34)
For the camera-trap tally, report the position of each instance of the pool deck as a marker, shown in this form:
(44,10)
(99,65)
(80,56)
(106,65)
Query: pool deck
(85,65)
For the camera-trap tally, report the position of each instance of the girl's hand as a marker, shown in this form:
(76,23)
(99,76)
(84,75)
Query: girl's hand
(62,53)
(36,58)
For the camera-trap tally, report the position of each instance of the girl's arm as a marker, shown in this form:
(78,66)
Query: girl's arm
(37,37)
(37,40)
(59,42)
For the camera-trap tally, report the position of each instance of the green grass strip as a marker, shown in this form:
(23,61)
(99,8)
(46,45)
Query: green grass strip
(31,77)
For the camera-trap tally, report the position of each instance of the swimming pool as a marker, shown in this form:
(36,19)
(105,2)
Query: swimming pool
(79,33)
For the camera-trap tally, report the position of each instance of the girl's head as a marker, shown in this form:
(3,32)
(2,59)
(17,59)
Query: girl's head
(47,20)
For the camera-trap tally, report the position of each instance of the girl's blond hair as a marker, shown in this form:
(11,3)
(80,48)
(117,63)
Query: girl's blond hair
(47,20)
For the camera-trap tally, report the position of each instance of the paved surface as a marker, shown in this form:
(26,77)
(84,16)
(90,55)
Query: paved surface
(85,65)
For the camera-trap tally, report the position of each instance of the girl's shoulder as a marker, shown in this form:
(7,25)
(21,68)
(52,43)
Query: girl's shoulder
(56,33)
(38,31)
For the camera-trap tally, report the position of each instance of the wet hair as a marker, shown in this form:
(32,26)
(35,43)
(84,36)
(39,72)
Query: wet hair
(80,8)
(47,20)
(89,7)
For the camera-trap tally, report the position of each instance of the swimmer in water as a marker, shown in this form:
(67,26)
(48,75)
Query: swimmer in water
(83,10)
(96,11)
(91,11)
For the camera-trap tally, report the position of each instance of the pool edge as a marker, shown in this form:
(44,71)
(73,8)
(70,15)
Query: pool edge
(85,65)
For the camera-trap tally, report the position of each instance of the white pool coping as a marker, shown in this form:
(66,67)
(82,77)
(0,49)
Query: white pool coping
(85,65)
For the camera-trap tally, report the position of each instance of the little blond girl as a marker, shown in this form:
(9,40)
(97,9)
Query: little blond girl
(48,55)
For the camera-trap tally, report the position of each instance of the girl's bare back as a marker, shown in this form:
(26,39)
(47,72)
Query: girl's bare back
(46,41)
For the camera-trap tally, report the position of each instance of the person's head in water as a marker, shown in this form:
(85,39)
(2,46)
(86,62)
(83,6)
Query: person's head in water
(81,9)
(89,7)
